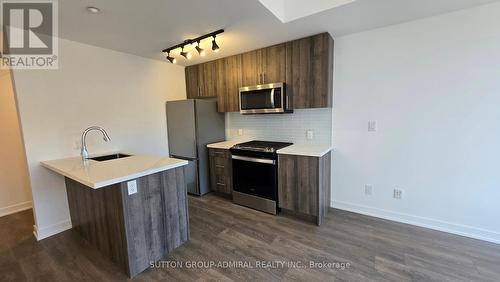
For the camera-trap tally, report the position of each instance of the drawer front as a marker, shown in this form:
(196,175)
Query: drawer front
(220,170)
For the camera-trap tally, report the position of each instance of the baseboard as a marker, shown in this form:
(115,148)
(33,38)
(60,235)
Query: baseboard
(45,232)
(15,208)
(458,229)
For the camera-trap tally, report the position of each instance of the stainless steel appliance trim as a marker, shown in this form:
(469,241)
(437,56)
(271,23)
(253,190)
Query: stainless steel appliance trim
(262,86)
(254,202)
(272,98)
(273,110)
(254,160)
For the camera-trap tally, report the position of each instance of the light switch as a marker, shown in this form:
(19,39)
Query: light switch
(132,187)
(240,132)
(372,126)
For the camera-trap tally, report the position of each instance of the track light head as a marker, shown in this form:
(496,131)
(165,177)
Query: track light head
(186,55)
(200,50)
(215,47)
(171,59)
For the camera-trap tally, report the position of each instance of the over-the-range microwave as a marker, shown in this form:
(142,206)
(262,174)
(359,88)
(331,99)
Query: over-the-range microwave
(265,99)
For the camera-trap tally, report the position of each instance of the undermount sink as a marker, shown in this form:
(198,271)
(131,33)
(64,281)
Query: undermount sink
(110,157)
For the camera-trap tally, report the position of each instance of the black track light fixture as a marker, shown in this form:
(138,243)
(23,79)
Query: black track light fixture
(215,47)
(197,41)
(186,55)
(171,59)
(200,50)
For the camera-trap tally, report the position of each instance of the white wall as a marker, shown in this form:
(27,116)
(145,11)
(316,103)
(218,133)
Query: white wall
(15,192)
(283,127)
(123,93)
(433,86)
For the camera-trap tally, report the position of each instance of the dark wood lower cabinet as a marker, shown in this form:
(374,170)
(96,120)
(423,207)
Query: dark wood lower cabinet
(133,230)
(304,186)
(221,173)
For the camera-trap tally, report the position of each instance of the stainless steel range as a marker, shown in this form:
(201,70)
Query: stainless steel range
(255,174)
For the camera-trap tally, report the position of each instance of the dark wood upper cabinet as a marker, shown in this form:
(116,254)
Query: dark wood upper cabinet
(305,65)
(273,64)
(208,77)
(309,71)
(229,83)
(192,86)
(250,69)
(267,65)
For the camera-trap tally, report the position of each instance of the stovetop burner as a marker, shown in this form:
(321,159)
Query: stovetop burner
(261,146)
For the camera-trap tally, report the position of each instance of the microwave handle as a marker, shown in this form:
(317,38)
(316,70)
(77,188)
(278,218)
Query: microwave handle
(272,98)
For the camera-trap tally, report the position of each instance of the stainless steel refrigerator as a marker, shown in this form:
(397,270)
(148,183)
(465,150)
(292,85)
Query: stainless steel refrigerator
(192,124)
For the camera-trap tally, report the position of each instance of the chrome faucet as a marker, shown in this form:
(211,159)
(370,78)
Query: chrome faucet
(85,153)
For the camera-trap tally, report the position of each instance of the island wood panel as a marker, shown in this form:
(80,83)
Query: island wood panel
(97,215)
(156,218)
(304,186)
(133,230)
(309,71)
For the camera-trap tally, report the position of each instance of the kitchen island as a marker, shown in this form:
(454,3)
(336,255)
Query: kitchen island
(132,208)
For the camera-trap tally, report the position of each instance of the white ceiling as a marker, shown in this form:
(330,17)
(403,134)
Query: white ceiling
(145,27)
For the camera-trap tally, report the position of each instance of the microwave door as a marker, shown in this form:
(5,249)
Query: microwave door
(256,99)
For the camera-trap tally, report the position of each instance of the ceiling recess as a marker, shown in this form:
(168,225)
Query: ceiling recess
(287,10)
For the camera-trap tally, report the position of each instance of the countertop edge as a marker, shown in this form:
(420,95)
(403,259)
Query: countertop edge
(318,154)
(115,180)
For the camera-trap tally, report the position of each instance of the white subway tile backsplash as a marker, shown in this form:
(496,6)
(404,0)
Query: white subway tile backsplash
(283,127)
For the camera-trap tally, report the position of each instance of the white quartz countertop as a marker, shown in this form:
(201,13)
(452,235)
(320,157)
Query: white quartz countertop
(308,150)
(96,174)
(226,144)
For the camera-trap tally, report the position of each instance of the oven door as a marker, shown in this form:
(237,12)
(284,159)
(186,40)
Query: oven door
(255,176)
(267,98)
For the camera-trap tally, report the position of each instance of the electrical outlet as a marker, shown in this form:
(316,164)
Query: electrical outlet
(372,126)
(398,194)
(368,190)
(310,134)
(240,132)
(132,187)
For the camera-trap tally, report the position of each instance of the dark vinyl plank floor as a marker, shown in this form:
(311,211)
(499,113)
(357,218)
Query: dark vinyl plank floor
(376,250)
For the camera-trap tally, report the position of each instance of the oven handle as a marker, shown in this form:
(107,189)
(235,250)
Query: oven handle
(254,160)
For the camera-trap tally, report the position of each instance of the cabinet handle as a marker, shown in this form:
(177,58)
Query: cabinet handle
(199,91)
(221,184)
(263,78)
(220,166)
(260,78)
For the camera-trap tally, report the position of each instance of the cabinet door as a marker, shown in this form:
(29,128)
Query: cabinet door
(192,78)
(298,185)
(250,68)
(309,71)
(229,98)
(287,186)
(273,66)
(208,79)
(307,185)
